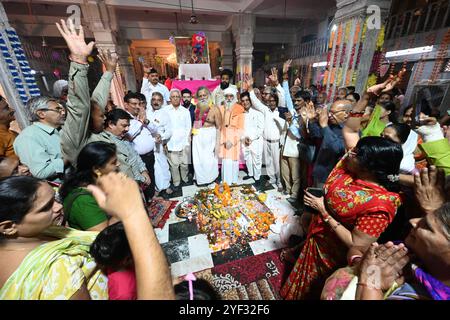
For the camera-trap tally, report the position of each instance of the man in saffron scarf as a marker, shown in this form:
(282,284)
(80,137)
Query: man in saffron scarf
(232,128)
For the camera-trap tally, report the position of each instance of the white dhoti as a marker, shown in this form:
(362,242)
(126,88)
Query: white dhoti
(272,156)
(162,169)
(204,159)
(230,171)
(253,158)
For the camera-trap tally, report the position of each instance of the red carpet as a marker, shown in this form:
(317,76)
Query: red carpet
(257,277)
(159,211)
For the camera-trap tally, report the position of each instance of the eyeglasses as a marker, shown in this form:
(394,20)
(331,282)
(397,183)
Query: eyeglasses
(59,110)
(336,112)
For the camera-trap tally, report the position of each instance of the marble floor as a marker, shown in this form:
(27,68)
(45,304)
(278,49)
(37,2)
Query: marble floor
(188,250)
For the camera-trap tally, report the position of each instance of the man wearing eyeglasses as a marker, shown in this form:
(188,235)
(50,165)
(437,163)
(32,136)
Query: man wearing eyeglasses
(329,127)
(39,145)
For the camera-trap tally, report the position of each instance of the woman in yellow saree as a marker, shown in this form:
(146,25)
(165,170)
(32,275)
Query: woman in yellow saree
(39,261)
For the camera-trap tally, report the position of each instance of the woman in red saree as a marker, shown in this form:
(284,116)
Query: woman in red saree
(356,209)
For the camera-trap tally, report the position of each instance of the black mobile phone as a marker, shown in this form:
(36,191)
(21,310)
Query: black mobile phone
(316,192)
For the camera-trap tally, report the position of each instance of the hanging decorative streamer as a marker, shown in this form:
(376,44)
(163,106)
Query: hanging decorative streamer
(429,40)
(440,57)
(376,60)
(27,87)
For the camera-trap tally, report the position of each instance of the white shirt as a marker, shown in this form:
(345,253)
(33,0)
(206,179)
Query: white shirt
(254,124)
(289,140)
(160,119)
(147,90)
(143,141)
(273,124)
(180,121)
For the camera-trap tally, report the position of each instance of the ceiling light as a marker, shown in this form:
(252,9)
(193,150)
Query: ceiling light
(319,64)
(409,51)
(194,19)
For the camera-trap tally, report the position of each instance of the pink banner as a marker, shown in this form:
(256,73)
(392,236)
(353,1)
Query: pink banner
(193,85)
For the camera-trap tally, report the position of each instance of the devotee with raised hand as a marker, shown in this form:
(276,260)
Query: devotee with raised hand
(273,127)
(367,179)
(225,82)
(39,145)
(153,279)
(252,140)
(291,166)
(329,129)
(42,261)
(85,117)
(7,136)
(179,143)
(205,138)
(158,117)
(230,136)
(150,84)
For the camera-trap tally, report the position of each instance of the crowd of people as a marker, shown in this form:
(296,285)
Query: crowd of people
(368,182)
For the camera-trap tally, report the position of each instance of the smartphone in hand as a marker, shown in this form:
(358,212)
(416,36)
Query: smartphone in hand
(316,192)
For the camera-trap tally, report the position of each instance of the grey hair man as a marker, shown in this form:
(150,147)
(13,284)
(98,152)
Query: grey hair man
(39,145)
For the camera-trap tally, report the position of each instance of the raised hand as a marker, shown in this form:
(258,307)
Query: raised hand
(274,77)
(108,59)
(323,117)
(146,68)
(286,66)
(429,189)
(79,50)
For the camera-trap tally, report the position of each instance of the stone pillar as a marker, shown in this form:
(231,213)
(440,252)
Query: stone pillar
(227,50)
(102,21)
(16,77)
(243,32)
(352,43)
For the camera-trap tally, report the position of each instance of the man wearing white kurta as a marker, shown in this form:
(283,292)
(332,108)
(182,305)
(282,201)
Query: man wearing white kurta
(150,84)
(141,134)
(160,119)
(273,126)
(252,140)
(179,142)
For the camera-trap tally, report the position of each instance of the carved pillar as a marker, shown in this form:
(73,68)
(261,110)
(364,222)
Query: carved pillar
(352,42)
(243,32)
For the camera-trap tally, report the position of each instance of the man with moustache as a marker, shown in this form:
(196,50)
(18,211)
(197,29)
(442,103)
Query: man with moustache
(158,117)
(230,135)
(141,135)
(218,94)
(205,136)
(186,101)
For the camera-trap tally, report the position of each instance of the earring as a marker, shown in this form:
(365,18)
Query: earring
(98,173)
